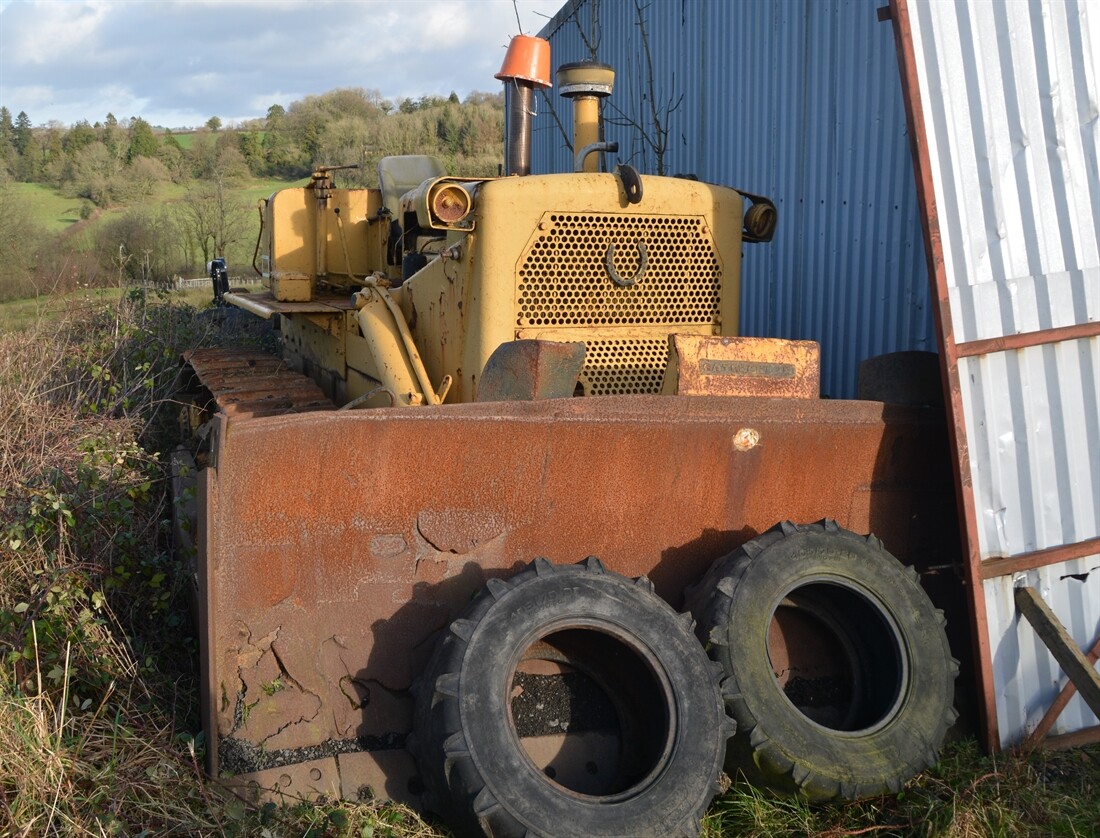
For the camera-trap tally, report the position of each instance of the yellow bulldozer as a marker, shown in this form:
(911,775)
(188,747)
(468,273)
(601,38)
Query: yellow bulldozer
(519,530)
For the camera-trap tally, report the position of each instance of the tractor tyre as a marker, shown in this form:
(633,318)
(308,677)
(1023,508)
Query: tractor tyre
(570,701)
(836,666)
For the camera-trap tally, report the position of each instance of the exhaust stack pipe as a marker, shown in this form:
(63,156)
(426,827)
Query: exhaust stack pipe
(526,66)
(586,82)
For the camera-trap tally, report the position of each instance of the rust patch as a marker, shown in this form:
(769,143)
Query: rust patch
(459,531)
(735,366)
(311,780)
(388,546)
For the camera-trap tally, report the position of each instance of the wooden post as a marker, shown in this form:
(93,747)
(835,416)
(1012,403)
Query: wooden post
(1061,645)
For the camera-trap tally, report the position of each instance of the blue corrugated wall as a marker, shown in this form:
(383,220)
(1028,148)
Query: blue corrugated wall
(799,100)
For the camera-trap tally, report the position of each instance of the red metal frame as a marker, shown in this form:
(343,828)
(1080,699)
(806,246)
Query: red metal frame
(949,359)
(977,571)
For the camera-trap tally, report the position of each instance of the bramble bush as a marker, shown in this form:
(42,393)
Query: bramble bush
(98,659)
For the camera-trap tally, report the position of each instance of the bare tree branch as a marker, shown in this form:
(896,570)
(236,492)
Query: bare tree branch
(653,137)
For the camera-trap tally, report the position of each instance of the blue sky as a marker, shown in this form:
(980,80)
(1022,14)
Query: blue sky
(178,62)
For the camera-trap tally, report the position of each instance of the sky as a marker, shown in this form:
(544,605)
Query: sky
(176,63)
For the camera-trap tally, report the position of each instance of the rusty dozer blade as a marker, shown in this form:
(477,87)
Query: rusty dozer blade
(334,546)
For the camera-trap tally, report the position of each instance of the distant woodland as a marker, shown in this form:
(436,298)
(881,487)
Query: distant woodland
(112,161)
(152,202)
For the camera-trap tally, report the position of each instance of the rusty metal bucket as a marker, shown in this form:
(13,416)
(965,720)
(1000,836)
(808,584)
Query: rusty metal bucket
(334,546)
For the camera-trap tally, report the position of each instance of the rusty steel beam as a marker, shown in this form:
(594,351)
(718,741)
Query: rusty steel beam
(335,545)
(949,358)
(992,568)
(1036,737)
(1058,642)
(1040,337)
(1085,736)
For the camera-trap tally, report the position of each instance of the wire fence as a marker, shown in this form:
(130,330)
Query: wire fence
(204,281)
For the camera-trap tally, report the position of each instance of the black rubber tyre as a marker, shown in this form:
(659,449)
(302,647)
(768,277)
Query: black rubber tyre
(570,701)
(837,668)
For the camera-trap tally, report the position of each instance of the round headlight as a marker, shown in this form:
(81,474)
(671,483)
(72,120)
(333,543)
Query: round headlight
(449,203)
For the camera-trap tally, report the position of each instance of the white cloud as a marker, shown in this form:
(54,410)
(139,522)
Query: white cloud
(56,27)
(177,62)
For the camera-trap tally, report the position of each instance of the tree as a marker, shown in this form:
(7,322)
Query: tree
(7,130)
(115,140)
(275,116)
(448,129)
(29,164)
(141,245)
(213,219)
(212,156)
(143,142)
(480,97)
(143,177)
(252,151)
(214,123)
(93,173)
(349,141)
(648,118)
(21,135)
(81,135)
(53,152)
(20,238)
(174,160)
(311,137)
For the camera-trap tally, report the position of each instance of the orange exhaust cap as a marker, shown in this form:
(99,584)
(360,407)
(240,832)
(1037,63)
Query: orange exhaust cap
(527,59)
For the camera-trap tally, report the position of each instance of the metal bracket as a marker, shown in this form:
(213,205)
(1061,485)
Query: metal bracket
(621,281)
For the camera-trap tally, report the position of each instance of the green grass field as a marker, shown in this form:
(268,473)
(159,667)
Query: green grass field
(186,139)
(21,315)
(58,215)
(54,212)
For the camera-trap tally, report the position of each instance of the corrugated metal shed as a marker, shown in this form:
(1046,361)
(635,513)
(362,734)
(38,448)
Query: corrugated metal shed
(799,101)
(1009,100)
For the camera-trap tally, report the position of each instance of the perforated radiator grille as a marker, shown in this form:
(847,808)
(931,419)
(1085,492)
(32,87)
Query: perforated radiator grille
(564,281)
(668,273)
(624,367)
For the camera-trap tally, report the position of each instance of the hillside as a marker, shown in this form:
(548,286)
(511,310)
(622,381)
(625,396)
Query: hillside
(112,202)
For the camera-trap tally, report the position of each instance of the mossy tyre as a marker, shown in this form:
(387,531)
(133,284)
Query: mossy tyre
(570,701)
(836,665)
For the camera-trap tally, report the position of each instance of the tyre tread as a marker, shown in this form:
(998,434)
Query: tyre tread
(454,786)
(712,602)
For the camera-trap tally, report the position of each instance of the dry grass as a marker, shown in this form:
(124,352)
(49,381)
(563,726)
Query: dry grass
(968,795)
(98,690)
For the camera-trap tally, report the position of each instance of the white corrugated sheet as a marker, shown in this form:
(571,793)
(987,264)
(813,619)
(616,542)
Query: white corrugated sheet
(1010,101)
